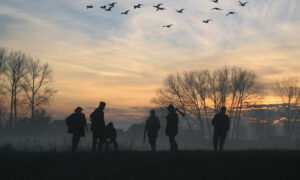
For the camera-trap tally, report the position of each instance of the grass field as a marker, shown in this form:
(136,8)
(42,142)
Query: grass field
(146,165)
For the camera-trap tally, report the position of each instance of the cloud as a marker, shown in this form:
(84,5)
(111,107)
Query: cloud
(98,55)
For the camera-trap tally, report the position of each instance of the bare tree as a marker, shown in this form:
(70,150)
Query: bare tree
(244,87)
(289,91)
(202,87)
(15,71)
(2,69)
(173,92)
(35,84)
(195,91)
(219,87)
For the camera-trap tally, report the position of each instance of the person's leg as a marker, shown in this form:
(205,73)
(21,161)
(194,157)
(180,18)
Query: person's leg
(152,142)
(75,141)
(95,138)
(173,144)
(115,145)
(216,140)
(106,145)
(101,144)
(222,140)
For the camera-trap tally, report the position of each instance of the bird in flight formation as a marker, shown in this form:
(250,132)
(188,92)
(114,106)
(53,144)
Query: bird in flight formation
(159,8)
(231,12)
(206,21)
(243,3)
(219,9)
(216,8)
(89,6)
(180,10)
(112,4)
(125,12)
(168,26)
(109,9)
(137,6)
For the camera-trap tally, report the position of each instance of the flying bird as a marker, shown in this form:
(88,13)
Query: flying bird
(243,3)
(89,6)
(206,21)
(215,1)
(168,26)
(161,9)
(125,12)
(137,6)
(180,11)
(103,7)
(219,9)
(231,12)
(109,9)
(112,4)
(158,6)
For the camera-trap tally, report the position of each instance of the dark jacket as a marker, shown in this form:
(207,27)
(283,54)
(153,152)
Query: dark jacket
(152,126)
(98,123)
(76,123)
(221,122)
(172,124)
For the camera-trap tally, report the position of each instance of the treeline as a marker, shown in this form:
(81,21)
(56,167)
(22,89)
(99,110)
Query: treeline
(201,93)
(24,89)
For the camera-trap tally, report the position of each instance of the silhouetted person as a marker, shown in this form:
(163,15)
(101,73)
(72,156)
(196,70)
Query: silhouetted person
(111,136)
(98,127)
(221,125)
(151,128)
(76,123)
(172,127)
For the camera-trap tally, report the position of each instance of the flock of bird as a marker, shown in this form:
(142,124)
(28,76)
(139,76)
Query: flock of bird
(159,7)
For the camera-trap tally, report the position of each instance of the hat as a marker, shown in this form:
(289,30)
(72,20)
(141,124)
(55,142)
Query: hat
(78,109)
(171,107)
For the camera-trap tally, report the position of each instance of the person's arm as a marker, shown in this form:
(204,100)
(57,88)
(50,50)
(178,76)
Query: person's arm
(213,122)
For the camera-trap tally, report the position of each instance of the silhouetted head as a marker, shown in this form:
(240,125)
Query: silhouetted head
(102,105)
(171,107)
(152,112)
(78,109)
(223,109)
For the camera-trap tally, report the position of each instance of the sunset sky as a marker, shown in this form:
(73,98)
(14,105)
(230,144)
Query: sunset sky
(99,55)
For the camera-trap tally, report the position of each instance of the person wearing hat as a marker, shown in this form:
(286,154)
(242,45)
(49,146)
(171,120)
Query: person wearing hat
(76,123)
(98,127)
(172,127)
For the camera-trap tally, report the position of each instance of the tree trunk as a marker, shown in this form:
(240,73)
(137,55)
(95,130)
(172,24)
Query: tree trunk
(11,110)
(207,121)
(15,107)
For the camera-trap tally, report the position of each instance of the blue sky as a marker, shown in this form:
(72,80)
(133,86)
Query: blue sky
(98,55)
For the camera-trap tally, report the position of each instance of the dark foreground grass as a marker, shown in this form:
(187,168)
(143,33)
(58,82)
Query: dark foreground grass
(183,165)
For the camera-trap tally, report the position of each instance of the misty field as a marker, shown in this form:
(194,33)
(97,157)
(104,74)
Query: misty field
(146,165)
